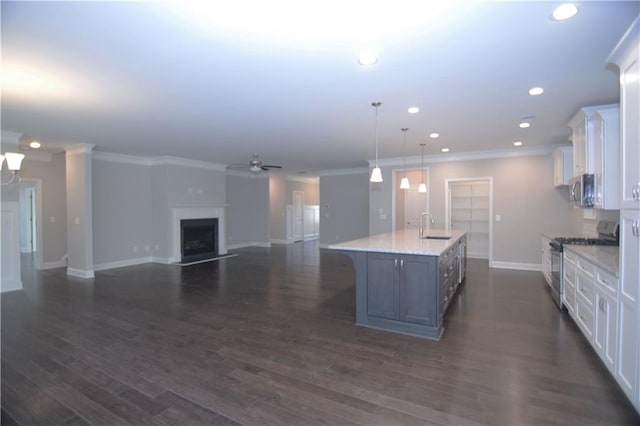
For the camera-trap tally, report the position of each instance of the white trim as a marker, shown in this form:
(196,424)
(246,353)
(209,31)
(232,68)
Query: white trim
(53,265)
(80,273)
(247,174)
(122,263)
(516,265)
(467,156)
(81,148)
(291,178)
(340,172)
(186,162)
(33,155)
(311,237)
(39,222)
(162,260)
(121,158)
(195,212)
(276,241)
(251,244)
(324,246)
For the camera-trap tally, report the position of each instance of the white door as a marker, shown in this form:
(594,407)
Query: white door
(469,207)
(297,198)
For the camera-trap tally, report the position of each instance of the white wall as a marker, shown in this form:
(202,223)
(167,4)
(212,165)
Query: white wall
(248,210)
(344,207)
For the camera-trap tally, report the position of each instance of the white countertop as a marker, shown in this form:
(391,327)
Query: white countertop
(604,257)
(405,241)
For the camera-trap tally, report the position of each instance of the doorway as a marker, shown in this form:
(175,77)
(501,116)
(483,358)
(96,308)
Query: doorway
(409,204)
(30,222)
(469,207)
(297,201)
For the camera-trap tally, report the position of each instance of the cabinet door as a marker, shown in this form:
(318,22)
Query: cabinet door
(579,147)
(630,129)
(418,286)
(382,288)
(606,329)
(627,368)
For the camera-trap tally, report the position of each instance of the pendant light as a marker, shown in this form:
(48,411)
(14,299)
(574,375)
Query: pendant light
(423,186)
(404,183)
(376,173)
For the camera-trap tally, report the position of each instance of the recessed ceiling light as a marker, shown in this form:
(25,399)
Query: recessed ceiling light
(367,57)
(564,11)
(534,91)
(434,135)
(445,150)
(35,145)
(517,143)
(524,124)
(413,110)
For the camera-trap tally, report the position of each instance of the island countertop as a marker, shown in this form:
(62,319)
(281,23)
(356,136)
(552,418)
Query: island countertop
(404,241)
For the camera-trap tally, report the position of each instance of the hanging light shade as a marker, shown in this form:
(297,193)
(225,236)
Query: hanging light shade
(376,173)
(14,160)
(404,183)
(423,186)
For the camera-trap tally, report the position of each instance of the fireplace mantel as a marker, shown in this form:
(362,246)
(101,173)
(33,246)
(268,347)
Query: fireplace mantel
(196,212)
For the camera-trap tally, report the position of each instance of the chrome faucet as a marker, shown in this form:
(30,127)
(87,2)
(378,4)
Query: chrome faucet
(422,224)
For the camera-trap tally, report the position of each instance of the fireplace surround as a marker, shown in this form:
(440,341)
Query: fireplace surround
(200,212)
(198,239)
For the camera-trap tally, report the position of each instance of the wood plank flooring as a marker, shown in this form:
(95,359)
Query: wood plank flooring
(268,337)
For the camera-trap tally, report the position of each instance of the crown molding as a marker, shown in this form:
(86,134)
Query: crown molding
(186,162)
(33,155)
(302,179)
(121,158)
(247,174)
(340,172)
(81,148)
(467,156)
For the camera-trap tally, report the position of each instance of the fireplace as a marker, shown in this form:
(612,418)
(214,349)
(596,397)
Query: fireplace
(198,239)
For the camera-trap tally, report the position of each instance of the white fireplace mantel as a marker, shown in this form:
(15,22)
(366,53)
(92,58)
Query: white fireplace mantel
(196,212)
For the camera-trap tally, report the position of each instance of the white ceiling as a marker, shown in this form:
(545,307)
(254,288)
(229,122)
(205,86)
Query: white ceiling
(142,79)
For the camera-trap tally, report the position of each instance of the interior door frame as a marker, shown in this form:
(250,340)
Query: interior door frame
(37,184)
(447,206)
(293,211)
(395,186)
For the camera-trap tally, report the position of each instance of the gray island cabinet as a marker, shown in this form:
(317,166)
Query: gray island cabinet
(405,284)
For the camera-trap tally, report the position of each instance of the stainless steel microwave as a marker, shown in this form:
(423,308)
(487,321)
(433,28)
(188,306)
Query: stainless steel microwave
(582,191)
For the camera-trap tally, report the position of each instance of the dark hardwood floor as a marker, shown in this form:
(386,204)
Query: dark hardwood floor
(268,337)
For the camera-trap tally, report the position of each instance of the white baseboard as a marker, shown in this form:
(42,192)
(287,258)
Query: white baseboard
(325,246)
(163,260)
(80,273)
(311,237)
(11,285)
(515,265)
(281,241)
(53,265)
(122,263)
(250,244)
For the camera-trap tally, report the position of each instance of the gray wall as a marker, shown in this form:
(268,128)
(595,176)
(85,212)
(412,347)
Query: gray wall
(193,186)
(277,207)
(344,207)
(311,191)
(52,174)
(248,211)
(122,212)
(523,194)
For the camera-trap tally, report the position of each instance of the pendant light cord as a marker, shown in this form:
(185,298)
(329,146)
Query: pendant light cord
(375,134)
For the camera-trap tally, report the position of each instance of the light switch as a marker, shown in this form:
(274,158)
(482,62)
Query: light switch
(498,218)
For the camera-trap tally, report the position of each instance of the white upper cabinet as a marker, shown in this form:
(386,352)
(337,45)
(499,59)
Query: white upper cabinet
(626,56)
(562,165)
(582,151)
(606,157)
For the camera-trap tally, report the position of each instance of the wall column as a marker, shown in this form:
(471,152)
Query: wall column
(10,278)
(79,210)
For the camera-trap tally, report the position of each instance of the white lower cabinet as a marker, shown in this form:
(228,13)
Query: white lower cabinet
(569,282)
(605,333)
(546,259)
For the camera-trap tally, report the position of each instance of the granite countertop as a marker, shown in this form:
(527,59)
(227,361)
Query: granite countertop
(604,257)
(405,241)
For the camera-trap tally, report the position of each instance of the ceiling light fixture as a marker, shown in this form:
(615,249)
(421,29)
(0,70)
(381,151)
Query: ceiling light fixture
(564,11)
(35,144)
(434,135)
(413,110)
(404,183)
(14,161)
(517,143)
(445,150)
(422,187)
(376,173)
(524,124)
(367,57)
(535,91)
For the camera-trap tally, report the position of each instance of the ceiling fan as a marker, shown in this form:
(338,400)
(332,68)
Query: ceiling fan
(255,165)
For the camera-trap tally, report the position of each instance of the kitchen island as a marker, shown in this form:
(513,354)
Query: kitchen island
(405,284)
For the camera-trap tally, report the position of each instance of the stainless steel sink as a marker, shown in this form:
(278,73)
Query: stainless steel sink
(437,237)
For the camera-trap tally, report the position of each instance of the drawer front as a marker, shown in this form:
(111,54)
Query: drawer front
(585,267)
(607,282)
(569,273)
(584,318)
(584,289)
(569,297)
(570,258)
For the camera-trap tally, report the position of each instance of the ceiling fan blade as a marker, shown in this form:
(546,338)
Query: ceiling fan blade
(264,168)
(272,167)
